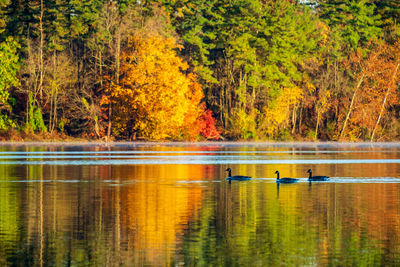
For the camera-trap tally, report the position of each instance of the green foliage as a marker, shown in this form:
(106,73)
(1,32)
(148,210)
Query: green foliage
(389,11)
(9,65)
(58,30)
(34,120)
(85,14)
(310,134)
(196,21)
(6,123)
(61,125)
(284,135)
(355,21)
(243,125)
(19,15)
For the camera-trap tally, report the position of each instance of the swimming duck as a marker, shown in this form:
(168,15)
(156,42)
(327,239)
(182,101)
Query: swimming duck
(236,177)
(285,180)
(316,178)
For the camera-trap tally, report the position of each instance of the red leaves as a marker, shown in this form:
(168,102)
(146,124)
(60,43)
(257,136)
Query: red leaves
(207,126)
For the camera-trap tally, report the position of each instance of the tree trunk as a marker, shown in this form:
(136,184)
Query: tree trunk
(351,106)
(300,116)
(109,120)
(316,127)
(294,118)
(117,57)
(117,74)
(55,109)
(384,103)
(41,64)
(101,69)
(52,93)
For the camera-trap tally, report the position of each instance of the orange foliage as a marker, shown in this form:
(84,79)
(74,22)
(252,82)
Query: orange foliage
(379,77)
(191,124)
(155,99)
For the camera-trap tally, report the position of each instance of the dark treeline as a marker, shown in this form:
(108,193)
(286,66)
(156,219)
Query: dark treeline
(200,69)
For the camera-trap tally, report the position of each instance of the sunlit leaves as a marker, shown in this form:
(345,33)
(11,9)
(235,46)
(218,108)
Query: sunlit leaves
(155,99)
(276,113)
(379,73)
(9,65)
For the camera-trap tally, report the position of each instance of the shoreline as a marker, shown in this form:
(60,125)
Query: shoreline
(200,143)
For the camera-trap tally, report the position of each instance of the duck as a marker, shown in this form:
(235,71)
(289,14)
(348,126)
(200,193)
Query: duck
(236,177)
(285,180)
(316,178)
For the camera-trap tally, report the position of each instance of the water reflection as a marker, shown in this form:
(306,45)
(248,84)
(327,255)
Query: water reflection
(187,214)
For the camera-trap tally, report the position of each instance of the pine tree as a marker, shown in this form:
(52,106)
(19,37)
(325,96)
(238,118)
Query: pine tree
(355,21)
(389,11)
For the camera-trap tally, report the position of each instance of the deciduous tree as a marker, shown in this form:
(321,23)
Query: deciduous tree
(9,65)
(154,97)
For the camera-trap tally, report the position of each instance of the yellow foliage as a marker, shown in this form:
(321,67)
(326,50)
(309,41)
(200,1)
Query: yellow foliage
(154,98)
(243,123)
(308,84)
(324,31)
(276,114)
(324,102)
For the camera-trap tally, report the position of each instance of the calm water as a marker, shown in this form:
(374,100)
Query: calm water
(170,205)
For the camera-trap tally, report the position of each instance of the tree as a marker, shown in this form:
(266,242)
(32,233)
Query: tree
(377,77)
(59,69)
(355,21)
(9,65)
(113,28)
(196,22)
(252,48)
(154,97)
(275,115)
(389,11)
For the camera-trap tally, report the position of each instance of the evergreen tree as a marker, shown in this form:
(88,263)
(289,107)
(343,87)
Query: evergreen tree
(355,21)
(251,48)
(389,11)
(9,65)
(196,22)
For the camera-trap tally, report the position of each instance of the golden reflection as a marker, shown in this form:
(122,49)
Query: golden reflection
(157,213)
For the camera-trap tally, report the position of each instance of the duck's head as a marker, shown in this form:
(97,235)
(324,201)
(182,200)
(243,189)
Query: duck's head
(228,170)
(309,171)
(277,172)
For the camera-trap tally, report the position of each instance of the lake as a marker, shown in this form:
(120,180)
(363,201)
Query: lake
(168,204)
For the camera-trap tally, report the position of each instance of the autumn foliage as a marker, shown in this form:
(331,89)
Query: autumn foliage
(207,125)
(151,70)
(155,99)
(377,76)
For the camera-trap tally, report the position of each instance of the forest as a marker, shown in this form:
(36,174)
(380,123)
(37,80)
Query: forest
(282,70)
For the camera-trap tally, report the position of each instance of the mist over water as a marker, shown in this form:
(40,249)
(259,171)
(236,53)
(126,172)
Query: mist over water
(156,204)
